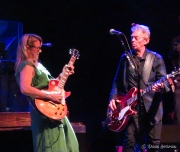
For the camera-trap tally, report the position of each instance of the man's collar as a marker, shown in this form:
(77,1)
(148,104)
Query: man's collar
(144,54)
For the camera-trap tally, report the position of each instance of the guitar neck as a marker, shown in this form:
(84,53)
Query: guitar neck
(65,74)
(148,89)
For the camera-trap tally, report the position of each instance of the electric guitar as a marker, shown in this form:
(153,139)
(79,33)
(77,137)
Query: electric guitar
(53,110)
(117,119)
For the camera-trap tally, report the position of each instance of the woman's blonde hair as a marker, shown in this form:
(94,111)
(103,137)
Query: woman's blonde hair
(26,40)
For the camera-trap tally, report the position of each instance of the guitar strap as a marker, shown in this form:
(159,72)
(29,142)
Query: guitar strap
(148,66)
(145,76)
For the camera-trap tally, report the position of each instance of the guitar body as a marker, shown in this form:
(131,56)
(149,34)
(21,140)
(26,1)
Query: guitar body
(53,110)
(118,119)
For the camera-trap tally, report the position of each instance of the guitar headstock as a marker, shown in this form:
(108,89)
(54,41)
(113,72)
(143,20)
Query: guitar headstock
(175,72)
(74,53)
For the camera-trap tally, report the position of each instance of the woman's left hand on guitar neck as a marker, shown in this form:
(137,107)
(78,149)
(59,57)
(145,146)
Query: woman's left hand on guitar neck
(67,68)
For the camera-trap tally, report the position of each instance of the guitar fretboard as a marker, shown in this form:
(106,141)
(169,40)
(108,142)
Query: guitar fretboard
(148,89)
(65,75)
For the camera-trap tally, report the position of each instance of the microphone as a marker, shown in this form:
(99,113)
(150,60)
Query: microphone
(112,32)
(47,44)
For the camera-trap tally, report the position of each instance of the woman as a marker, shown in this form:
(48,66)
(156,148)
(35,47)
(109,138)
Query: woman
(48,135)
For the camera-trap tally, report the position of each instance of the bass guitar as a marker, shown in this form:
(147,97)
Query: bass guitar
(57,111)
(117,119)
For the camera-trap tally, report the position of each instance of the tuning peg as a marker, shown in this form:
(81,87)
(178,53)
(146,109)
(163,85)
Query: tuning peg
(78,56)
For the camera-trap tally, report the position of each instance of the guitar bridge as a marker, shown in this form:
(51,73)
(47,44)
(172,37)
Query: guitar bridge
(52,103)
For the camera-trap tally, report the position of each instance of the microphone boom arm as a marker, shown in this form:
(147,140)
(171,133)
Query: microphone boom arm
(128,54)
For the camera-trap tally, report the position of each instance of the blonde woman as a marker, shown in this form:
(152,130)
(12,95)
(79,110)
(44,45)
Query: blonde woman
(48,135)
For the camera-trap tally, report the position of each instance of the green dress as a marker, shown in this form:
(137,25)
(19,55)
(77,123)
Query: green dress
(48,135)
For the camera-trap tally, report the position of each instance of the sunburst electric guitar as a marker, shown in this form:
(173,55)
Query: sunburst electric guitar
(57,111)
(117,119)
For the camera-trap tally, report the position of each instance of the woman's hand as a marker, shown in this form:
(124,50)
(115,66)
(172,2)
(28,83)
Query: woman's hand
(68,68)
(54,96)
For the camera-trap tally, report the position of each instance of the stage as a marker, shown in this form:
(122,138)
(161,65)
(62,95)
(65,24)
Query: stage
(15,132)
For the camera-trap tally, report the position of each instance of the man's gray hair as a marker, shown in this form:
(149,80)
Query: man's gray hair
(143,28)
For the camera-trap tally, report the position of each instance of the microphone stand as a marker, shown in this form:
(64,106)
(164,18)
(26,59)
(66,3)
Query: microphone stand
(139,77)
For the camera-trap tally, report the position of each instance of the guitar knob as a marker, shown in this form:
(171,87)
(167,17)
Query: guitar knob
(53,83)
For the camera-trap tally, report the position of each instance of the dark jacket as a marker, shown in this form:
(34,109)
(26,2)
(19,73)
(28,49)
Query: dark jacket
(152,100)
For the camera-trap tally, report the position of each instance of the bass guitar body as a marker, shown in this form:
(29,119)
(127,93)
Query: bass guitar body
(118,118)
(53,110)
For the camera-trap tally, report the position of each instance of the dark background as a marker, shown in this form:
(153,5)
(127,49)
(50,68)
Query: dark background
(85,25)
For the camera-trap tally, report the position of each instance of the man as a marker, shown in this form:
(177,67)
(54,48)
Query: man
(148,120)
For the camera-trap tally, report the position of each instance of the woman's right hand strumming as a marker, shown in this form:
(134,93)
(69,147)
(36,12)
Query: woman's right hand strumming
(54,96)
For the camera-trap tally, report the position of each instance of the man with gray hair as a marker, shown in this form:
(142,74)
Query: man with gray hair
(143,121)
